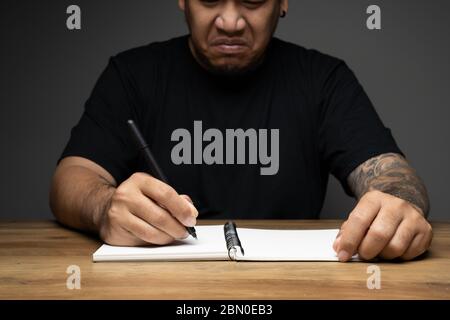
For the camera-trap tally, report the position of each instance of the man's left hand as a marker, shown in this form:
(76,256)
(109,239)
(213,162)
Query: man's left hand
(382,225)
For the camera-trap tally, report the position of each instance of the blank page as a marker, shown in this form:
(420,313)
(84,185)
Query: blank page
(287,245)
(210,245)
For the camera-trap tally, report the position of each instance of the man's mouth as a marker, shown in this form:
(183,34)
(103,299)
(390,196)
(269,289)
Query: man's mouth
(229,46)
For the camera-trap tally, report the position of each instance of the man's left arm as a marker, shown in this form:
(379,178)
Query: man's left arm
(389,220)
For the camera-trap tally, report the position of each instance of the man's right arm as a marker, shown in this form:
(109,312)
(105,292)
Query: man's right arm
(140,210)
(80,193)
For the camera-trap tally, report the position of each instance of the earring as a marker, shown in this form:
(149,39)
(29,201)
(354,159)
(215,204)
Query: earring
(283,14)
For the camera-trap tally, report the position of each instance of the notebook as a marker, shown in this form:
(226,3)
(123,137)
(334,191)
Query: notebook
(229,242)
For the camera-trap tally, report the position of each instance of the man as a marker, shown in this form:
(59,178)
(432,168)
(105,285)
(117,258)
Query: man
(231,77)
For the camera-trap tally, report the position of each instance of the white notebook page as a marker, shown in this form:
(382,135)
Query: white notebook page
(210,245)
(258,244)
(287,245)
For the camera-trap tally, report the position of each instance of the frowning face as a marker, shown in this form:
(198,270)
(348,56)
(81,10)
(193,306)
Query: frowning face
(231,36)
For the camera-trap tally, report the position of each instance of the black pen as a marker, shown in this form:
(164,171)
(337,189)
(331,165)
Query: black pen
(153,165)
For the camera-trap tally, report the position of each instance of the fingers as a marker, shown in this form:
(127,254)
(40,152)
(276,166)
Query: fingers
(356,227)
(158,217)
(145,232)
(123,228)
(385,226)
(420,243)
(338,237)
(381,231)
(187,198)
(116,235)
(400,242)
(145,210)
(167,197)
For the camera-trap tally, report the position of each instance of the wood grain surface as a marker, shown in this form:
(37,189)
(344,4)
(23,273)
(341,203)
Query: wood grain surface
(34,257)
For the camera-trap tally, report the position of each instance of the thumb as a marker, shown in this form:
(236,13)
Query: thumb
(338,237)
(336,242)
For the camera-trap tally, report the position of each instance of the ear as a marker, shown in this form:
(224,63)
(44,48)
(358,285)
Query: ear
(284,6)
(182,4)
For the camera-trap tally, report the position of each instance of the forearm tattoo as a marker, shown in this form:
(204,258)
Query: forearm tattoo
(390,173)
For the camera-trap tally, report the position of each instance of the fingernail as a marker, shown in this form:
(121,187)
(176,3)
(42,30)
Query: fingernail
(191,221)
(343,256)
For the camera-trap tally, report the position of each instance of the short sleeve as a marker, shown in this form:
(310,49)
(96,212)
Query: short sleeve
(351,131)
(101,134)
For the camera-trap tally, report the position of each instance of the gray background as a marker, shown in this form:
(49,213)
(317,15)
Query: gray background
(47,72)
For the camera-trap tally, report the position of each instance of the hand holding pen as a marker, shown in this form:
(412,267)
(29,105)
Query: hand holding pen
(144,209)
(153,166)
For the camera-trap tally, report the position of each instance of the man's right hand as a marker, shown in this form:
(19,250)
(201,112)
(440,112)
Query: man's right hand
(144,210)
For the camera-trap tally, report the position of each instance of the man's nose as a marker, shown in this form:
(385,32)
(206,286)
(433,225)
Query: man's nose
(230,20)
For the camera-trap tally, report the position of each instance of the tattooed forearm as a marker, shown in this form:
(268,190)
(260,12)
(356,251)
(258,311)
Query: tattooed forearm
(390,173)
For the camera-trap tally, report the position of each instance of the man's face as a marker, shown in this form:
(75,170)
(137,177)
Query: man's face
(231,36)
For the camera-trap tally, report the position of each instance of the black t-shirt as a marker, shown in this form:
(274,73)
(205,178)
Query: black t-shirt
(326,124)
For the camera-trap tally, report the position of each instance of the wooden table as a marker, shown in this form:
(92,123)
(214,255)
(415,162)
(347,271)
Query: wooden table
(34,257)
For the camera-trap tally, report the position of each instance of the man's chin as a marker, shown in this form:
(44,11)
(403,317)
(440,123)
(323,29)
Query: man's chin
(229,69)
(231,66)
